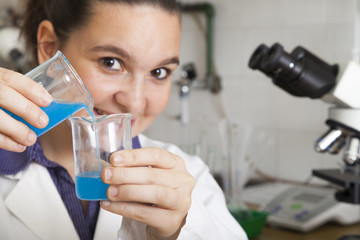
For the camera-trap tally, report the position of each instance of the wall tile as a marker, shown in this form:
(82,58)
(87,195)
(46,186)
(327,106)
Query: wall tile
(249,97)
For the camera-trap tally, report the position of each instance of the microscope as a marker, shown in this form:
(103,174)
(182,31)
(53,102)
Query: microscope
(303,74)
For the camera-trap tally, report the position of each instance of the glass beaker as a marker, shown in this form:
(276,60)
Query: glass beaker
(69,92)
(93,144)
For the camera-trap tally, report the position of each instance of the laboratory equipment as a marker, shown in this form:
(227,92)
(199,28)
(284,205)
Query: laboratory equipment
(212,81)
(69,92)
(304,208)
(303,74)
(251,221)
(188,75)
(11,48)
(94,140)
(12,44)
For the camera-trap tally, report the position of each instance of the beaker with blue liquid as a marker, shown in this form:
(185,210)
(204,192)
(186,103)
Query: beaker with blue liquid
(93,143)
(69,92)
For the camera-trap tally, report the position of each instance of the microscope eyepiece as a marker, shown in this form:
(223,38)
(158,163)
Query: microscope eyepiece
(256,58)
(277,60)
(300,73)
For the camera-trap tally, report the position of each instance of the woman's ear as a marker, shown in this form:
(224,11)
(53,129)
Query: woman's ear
(47,41)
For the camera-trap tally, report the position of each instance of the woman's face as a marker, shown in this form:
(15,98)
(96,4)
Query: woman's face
(125,55)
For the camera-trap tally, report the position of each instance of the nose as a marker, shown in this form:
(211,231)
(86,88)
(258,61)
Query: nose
(132,96)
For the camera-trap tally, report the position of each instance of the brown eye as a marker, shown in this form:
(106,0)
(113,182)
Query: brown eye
(160,73)
(111,63)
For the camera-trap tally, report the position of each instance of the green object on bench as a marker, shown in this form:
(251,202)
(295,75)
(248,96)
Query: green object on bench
(250,220)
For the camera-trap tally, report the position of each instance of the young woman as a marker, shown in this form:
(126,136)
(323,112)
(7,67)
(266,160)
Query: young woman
(125,52)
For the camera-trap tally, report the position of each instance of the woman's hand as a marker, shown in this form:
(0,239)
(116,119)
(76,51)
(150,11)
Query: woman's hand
(152,186)
(23,97)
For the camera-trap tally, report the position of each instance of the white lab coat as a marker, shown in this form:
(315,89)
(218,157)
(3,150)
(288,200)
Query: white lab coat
(31,208)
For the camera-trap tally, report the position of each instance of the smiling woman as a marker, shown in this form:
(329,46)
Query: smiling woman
(125,52)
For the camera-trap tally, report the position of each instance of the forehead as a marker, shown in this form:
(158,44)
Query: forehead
(138,28)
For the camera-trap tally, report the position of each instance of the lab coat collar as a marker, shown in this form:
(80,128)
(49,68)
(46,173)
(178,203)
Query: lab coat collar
(35,202)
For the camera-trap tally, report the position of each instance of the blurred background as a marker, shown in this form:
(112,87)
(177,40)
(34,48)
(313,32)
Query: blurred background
(271,132)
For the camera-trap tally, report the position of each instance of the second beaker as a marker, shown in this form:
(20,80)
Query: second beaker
(68,91)
(93,144)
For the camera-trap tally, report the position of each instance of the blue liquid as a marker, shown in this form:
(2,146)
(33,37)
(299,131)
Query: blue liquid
(57,112)
(89,186)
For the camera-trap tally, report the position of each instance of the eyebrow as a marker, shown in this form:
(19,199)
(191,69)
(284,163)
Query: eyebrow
(113,49)
(124,54)
(173,60)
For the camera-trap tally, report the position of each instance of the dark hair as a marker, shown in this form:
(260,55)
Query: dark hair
(68,15)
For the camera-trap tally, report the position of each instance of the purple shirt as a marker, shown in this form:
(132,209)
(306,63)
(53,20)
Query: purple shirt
(85,223)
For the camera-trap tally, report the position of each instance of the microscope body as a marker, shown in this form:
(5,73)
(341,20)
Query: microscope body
(344,115)
(346,91)
(303,74)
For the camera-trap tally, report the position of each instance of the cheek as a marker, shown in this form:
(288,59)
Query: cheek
(159,101)
(163,103)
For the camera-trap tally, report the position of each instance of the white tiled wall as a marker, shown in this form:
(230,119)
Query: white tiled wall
(284,127)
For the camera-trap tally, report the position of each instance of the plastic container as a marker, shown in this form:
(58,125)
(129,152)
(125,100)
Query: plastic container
(250,220)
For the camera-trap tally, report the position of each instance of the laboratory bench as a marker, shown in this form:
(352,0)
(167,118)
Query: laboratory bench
(329,231)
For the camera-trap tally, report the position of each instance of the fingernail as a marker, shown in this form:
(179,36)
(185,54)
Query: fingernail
(105,203)
(31,137)
(43,120)
(108,174)
(118,159)
(113,191)
(46,98)
(21,147)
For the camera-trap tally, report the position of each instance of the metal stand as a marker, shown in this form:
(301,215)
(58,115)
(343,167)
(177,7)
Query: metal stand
(349,181)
